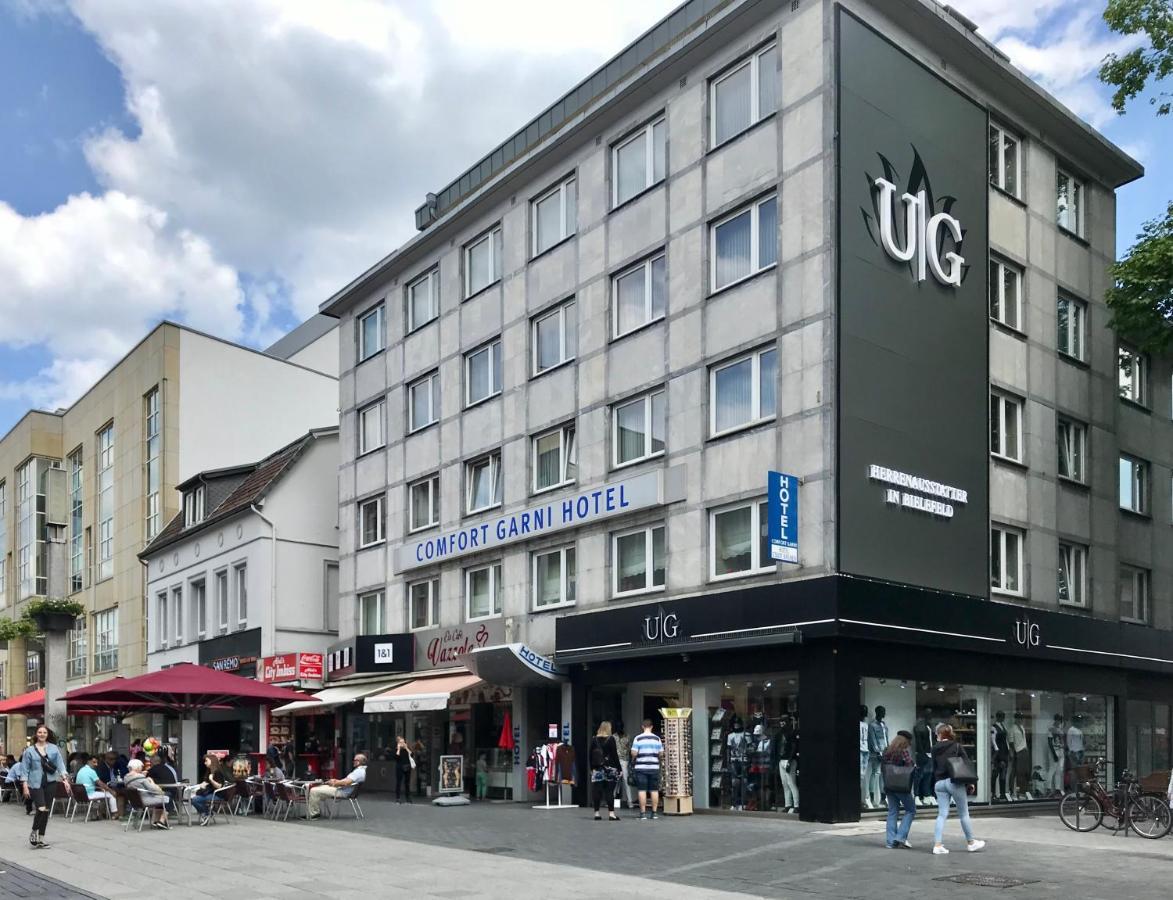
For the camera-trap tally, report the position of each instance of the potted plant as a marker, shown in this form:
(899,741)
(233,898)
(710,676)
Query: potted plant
(13,630)
(53,615)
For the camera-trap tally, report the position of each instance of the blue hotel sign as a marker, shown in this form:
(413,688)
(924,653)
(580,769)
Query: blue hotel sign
(782,510)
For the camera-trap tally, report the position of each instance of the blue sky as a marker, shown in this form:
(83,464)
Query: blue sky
(231,164)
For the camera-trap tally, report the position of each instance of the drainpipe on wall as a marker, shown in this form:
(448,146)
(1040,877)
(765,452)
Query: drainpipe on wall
(269,641)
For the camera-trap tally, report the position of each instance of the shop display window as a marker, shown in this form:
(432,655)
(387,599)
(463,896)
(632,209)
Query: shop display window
(1148,739)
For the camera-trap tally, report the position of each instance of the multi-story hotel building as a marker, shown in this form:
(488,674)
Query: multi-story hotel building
(844,241)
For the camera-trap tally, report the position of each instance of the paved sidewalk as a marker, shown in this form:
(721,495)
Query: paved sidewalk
(17,881)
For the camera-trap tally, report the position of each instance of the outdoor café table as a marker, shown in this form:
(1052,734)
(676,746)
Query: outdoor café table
(303,789)
(180,792)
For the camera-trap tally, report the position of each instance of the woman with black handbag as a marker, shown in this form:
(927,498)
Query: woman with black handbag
(44,768)
(898,769)
(605,771)
(954,775)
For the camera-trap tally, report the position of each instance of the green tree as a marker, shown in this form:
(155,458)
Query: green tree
(1141,296)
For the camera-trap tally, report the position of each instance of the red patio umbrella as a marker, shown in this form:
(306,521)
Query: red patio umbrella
(505,742)
(33,704)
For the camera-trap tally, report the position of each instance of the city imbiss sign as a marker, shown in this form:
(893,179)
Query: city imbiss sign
(289,667)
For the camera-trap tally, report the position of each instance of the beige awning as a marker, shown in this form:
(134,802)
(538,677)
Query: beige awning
(332,697)
(420,695)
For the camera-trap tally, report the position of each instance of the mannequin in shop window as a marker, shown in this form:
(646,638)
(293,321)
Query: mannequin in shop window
(865,799)
(1000,744)
(761,748)
(877,744)
(1056,755)
(787,748)
(1075,741)
(922,742)
(738,745)
(1019,760)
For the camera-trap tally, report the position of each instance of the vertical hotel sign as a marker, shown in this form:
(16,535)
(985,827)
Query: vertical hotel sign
(913,359)
(782,508)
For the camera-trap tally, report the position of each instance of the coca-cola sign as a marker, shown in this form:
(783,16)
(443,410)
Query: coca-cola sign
(440,648)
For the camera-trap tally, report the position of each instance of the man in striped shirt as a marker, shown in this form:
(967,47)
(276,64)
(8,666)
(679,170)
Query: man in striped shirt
(647,750)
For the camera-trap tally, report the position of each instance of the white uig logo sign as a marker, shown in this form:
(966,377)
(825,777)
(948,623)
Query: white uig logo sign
(922,235)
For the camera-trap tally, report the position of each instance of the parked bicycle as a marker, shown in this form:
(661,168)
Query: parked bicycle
(1126,807)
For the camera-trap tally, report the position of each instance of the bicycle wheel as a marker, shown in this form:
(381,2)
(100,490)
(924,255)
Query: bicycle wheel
(1081,812)
(1149,817)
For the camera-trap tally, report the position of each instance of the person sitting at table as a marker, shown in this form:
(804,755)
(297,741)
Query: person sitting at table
(15,778)
(273,770)
(205,793)
(336,787)
(153,796)
(112,769)
(87,777)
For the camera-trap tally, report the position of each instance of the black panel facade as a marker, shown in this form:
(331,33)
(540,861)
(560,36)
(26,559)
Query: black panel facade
(913,347)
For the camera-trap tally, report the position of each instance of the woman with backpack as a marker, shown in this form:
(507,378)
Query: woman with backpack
(44,768)
(899,768)
(605,771)
(953,776)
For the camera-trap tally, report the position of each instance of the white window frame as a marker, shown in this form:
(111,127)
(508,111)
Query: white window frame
(378,409)
(567,217)
(649,535)
(493,236)
(493,461)
(648,401)
(998,268)
(650,313)
(647,134)
(1141,580)
(380,314)
(998,173)
(163,608)
(430,281)
(106,640)
(1008,404)
(432,485)
(566,341)
(1074,457)
(433,602)
(1077,188)
(223,600)
(495,586)
(105,469)
(1139,476)
(432,383)
(755,263)
(240,593)
(756,113)
(758,514)
(380,612)
(77,565)
(199,606)
(1000,539)
(567,456)
(177,613)
(1076,327)
(567,584)
(152,461)
(1136,388)
(381,520)
(757,414)
(194,502)
(492,349)
(78,648)
(1073,570)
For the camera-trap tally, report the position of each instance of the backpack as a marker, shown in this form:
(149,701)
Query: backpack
(598,759)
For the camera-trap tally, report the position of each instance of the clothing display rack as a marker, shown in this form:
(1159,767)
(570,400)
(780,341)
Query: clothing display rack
(552,760)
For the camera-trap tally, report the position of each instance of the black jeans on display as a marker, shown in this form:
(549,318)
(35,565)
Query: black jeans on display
(923,786)
(602,791)
(1001,766)
(737,782)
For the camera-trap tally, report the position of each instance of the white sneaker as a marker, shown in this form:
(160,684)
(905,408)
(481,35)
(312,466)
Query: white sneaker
(938,850)
(1028,796)
(975,846)
(869,805)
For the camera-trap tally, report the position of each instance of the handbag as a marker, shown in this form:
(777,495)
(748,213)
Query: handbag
(411,759)
(961,770)
(47,765)
(898,778)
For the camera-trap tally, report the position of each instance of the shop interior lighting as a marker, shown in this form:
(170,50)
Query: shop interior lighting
(903,685)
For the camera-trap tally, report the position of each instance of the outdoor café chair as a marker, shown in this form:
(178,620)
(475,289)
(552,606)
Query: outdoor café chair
(135,808)
(63,795)
(272,800)
(290,797)
(222,801)
(352,797)
(243,804)
(80,798)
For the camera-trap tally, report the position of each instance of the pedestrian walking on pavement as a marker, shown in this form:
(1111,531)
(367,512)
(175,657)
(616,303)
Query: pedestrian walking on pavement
(605,770)
(623,742)
(647,750)
(953,776)
(44,769)
(899,769)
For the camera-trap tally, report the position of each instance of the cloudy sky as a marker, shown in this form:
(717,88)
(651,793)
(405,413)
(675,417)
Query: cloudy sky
(231,163)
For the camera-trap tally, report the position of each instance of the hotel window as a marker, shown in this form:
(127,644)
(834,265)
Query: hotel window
(482,262)
(240,576)
(1071,437)
(482,592)
(75,665)
(1005,293)
(1134,485)
(554,216)
(424,503)
(177,613)
(222,602)
(106,502)
(1069,202)
(106,640)
(741,392)
(423,603)
(1134,594)
(638,161)
(1006,560)
(1133,376)
(423,402)
(193,506)
(744,243)
(76,530)
(370,613)
(1072,574)
(1006,427)
(162,604)
(637,428)
(153,462)
(738,541)
(555,458)
(1072,318)
(3,547)
(555,337)
(637,561)
(482,373)
(199,604)
(372,427)
(640,295)
(370,522)
(423,300)
(482,478)
(744,95)
(1004,165)
(553,578)
(370,333)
